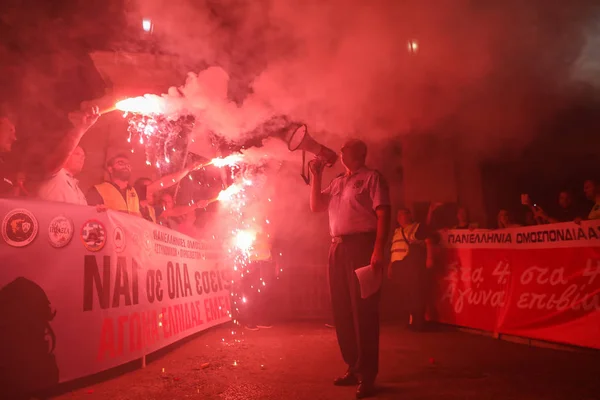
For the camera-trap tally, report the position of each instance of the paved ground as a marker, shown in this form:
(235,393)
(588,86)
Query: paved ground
(299,361)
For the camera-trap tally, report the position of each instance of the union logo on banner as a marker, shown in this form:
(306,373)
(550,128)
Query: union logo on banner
(19,227)
(60,231)
(119,239)
(93,235)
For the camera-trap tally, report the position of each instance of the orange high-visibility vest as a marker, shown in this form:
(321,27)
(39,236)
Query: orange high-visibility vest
(114,200)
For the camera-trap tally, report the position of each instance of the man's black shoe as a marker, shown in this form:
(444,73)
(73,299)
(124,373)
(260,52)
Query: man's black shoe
(347,380)
(365,389)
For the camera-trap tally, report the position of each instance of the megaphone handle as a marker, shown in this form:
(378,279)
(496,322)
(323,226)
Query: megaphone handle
(306,178)
(303,174)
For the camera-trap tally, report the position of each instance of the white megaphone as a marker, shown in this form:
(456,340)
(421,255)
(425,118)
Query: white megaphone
(297,138)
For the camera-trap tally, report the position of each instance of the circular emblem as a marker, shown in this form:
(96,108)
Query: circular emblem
(93,235)
(147,241)
(119,239)
(60,231)
(19,227)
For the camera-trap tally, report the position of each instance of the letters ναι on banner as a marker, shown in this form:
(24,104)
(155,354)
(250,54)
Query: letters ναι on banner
(122,288)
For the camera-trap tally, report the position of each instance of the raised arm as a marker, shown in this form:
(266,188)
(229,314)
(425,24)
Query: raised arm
(171,179)
(56,157)
(178,211)
(318,199)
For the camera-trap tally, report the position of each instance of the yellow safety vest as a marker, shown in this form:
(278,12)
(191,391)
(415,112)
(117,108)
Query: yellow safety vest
(114,200)
(151,213)
(400,246)
(261,249)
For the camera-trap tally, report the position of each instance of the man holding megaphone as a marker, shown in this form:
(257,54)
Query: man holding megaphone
(358,203)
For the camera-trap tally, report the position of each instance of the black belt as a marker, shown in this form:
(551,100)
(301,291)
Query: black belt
(352,236)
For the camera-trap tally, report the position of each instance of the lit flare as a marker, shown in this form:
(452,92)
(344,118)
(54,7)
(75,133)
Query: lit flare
(227,194)
(228,161)
(244,240)
(147,104)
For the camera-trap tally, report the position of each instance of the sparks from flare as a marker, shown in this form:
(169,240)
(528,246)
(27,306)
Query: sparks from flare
(156,133)
(244,240)
(228,161)
(227,194)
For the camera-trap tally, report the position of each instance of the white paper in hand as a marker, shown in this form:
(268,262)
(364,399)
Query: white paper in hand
(369,280)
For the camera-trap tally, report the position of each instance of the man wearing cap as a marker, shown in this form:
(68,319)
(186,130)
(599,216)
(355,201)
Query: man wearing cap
(358,203)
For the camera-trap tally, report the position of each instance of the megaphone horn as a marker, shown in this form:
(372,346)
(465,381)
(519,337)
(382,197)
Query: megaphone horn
(297,138)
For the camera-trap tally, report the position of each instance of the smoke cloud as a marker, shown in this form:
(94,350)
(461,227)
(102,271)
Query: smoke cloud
(491,71)
(491,74)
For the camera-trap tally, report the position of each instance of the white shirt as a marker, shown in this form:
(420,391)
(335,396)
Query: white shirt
(62,187)
(353,200)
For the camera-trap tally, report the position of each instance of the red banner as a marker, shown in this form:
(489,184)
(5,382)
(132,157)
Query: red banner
(539,282)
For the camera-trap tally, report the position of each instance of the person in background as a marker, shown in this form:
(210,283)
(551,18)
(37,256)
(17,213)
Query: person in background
(358,202)
(62,186)
(589,191)
(147,189)
(50,160)
(595,212)
(529,217)
(178,217)
(169,213)
(164,210)
(20,188)
(7,138)
(146,205)
(565,211)
(411,256)
(116,194)
(262,269)
(187,224)
(463,220)
(504,220)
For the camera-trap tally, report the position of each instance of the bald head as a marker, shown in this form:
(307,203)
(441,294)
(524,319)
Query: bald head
(354,154)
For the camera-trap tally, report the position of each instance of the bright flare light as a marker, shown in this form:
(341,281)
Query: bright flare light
(147,104)
(244,240)
(228,161)
(227,194)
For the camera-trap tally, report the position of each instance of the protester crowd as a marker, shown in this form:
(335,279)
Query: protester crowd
(152,200)
(565,209)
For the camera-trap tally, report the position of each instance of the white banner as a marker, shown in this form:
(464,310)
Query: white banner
(82,291)
(563,235)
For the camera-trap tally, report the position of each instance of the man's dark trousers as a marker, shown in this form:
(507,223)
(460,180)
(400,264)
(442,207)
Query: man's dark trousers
(356,319)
